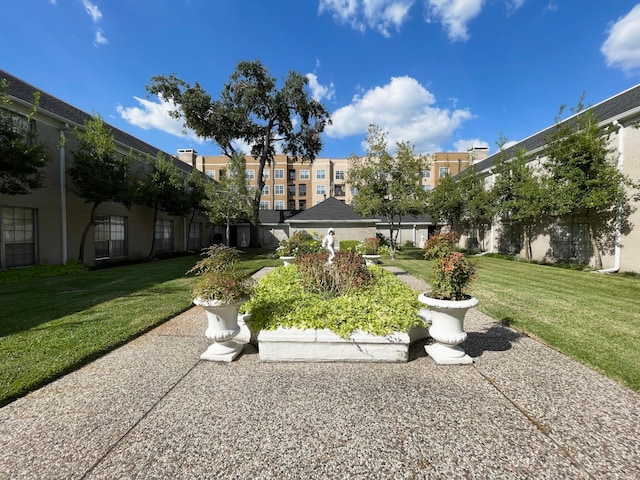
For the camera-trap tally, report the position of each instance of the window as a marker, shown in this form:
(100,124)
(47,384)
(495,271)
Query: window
(321,189)
(278,173)
(339,174)
(250,174)
(304,174)
(354,190)
(164,236)
(278,189)
(321,174)
(278,204)
(426,173)
(292,175)
(110,236)
(339,191)
(264,205)
(444,172)
(18,236)
(292,190)
(292,204)
(302,189)
(426,188)
(302,205)
(265,174)
(195,236)
(265,190)
(211,173)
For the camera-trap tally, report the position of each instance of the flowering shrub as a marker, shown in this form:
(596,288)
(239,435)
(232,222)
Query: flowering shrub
(219,277)
(440,244)
(346,274)
(300,243)
(452,274)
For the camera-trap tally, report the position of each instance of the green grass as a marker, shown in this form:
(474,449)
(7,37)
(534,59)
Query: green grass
(50,325)
(592,318)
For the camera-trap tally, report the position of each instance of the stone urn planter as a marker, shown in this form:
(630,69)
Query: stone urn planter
(287,259)
(447,329)
(222,327)
(371,259)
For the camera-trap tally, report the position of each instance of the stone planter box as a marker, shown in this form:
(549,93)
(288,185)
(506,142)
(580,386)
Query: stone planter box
(293,345)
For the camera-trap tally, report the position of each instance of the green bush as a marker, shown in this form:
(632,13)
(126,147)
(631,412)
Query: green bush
(441,244)
(385,306)
(348,245)
(300,243)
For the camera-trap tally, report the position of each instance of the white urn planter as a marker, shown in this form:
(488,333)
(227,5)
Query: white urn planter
(371,259)
(447,329)
(222,327)
(287,260)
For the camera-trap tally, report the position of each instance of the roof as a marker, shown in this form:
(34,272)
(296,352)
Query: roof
(330,210)
(610,109)
(275,217)
(21,90)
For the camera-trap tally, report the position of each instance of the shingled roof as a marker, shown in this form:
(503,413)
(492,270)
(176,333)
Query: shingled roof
(67,113)
(622,104)
(330,210)
(275,217)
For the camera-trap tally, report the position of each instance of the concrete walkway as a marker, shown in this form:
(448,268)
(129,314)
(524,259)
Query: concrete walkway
(152,410)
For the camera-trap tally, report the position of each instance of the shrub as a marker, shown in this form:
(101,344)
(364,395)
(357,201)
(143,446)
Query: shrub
(300,243)
(440,244)
(452,275)
(349,245)
(346,273)
(369,246)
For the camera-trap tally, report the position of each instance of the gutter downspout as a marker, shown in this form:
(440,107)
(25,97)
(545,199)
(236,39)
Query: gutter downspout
(618,227)
(63,195)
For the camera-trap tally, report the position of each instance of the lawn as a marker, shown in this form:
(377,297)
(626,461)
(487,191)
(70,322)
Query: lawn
(51,325)
(590,317)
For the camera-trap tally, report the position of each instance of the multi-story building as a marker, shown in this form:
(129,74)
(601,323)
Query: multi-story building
(290,185)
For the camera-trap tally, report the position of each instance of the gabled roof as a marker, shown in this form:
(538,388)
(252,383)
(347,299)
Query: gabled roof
(618,106)
(275,217)
(75,117)
(330,210)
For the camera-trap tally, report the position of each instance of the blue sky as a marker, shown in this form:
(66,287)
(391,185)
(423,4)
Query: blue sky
(441,74)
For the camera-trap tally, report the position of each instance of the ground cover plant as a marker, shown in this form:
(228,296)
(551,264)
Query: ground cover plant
(50,325)
(589,317)
(350,297)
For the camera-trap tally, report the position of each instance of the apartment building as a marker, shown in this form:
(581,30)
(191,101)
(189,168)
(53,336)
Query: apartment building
(291,185)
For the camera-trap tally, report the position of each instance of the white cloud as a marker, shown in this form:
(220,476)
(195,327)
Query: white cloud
(380,15)
(156,115)
(318,91)
(454,15)
(404,109)
(621,49)
(93,10)
(100,38)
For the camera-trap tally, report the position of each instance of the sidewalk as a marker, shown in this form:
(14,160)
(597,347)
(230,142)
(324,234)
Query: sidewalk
(152,409)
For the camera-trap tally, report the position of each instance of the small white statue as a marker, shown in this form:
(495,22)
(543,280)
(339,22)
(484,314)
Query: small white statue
(422,242)
(327,243)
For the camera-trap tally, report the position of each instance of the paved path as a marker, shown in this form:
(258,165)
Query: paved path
(152,410)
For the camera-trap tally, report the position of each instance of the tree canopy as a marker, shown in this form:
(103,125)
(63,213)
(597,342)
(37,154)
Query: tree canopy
(21,156)
(99,173)
(252,109)
(385,184)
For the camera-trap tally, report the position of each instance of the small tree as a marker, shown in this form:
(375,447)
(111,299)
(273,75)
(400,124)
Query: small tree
(196,196)
(162,189)
(251,110)
(99,173)
(476,203)
(521,196)
(229,200)
(21,157)
(445,203)
(388,185)
(586,183)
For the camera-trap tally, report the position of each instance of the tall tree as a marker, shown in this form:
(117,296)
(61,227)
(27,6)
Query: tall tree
(251,110)
(230,200)
(476,203)
(99,173)
(585,179)
(445,203)
(162,189)
(196,196)
(21,157)
(388,185)
(521,196)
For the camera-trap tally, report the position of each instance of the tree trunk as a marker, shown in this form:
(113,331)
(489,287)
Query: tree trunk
(594,246)
(85,232)
(153,229)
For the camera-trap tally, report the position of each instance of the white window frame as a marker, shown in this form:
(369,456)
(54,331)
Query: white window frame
(278,173)
(278,205)
(278,189)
